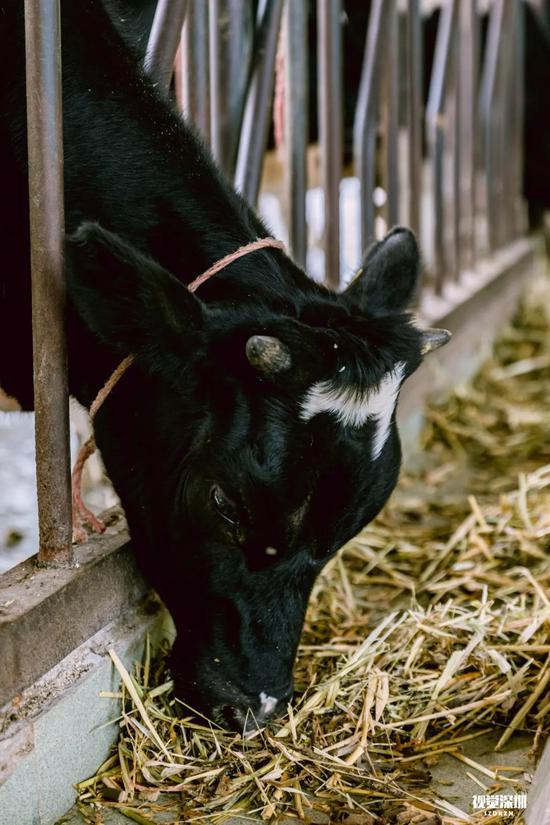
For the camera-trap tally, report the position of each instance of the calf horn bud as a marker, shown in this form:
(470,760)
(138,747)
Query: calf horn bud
(267,355)
(433,339)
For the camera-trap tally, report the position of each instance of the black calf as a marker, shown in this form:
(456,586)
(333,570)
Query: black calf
(255,432)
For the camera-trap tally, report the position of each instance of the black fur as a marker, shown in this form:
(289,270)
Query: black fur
(146,212)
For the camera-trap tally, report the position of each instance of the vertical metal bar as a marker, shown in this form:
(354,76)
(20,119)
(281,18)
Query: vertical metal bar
(232,38)
(248,172)
(435,124)
(511,91)
(364,127)
(487,113)
(329,22)
(512,122)
(506,130)
(219,36)
(295,124)
(392,136)
(456,152)
(194,69)
(519,32)
(45,148)
(415,119)
(164,41)
(467,67)
(498,135)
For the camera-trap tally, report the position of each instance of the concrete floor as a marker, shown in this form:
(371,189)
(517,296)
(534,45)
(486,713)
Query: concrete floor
(456,782)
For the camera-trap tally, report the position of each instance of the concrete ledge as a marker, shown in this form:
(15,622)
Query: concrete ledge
(60,730)
(46,613)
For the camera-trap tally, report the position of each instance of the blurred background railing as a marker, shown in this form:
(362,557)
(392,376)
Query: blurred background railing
(340,119)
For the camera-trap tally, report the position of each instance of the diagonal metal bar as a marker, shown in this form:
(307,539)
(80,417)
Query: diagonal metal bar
(164,41)
(255,126)
(194,68)
(232,40)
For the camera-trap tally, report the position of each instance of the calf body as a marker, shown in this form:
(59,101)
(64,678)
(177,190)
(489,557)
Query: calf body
(255,432)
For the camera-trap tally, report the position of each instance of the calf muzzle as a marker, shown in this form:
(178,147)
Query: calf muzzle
(253,713)
(226,705)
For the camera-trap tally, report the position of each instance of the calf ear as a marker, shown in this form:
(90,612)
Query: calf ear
(128,300)
(387,279)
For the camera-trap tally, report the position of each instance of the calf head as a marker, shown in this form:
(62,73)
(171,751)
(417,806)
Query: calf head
(267,439)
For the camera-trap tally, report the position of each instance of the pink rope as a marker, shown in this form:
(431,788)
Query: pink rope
(81,514)
(261,243)
(109,384)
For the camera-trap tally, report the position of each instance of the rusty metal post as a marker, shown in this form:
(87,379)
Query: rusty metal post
(364,127)
(255,128)
(415,114)
(51,399)
(164,41)
(194,68)
(296,125)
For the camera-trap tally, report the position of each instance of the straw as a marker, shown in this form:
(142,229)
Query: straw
(429,629)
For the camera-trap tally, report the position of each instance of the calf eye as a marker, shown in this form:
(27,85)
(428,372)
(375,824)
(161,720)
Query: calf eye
(224,506)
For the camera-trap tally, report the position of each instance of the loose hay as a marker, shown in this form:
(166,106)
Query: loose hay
(431,628)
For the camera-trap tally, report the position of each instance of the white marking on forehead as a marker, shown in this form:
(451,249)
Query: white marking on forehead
(352,407)
(268,703)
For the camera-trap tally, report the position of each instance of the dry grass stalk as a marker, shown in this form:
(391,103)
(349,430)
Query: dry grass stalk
(461,555)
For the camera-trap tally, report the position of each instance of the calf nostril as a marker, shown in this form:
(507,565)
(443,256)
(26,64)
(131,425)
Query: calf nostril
(244,722)
(250,714)
(233,717)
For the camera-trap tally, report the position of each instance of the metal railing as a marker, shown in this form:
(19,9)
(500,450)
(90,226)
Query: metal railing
(470,172)
(51,395)
(229,56)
